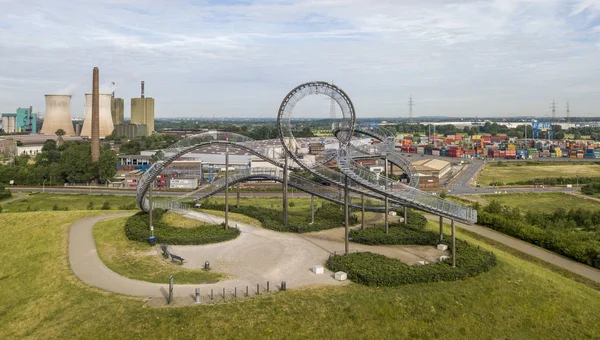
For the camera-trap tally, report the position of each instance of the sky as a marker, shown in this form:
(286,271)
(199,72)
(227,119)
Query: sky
(239,58)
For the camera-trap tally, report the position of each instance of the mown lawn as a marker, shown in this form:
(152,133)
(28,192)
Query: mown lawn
(41,298)
(540,202)
(45,202)
(138,260)
(512,172)
(300,207)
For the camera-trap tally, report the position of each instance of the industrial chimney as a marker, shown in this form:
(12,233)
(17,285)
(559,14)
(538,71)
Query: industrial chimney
(142,89)
(95,116)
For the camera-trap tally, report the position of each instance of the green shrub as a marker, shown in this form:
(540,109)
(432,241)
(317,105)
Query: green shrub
(105,205)
(136,229)
(328,216)
(574,234)
(4,194)
(128,206)
(55,207)
(291,204)
(90,205)
(377,270)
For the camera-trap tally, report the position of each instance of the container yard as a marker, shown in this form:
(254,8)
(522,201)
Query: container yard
(497,147)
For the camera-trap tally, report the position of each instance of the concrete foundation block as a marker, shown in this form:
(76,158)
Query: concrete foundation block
(392,213)
(341,276)
(444,258)
(442,247)
(422,263)
(318,269)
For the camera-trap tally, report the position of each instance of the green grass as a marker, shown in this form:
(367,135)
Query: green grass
(515,172)
(541,202)
(41,298)
(131,259)
(300,208)
(177,220)
(45,202)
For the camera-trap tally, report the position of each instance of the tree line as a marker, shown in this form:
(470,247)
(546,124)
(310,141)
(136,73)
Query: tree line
(59,164)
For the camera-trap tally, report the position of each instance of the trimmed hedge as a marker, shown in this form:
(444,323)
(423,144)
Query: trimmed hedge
(378,270)
(327,216)
(136,229)
(399,233)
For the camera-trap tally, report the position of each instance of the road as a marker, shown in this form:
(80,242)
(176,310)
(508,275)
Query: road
(527,248)
(461,184)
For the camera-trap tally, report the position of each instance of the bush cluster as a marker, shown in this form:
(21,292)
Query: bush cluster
(136,229)
(574,233)
(591,188)
(328,216)
(378,270)
(553,181)
(4,194)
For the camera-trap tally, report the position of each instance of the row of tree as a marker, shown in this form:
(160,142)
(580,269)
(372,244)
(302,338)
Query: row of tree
(67,163)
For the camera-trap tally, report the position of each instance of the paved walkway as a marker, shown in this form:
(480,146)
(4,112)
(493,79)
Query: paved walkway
(258,255)
(527,248)
(16,197)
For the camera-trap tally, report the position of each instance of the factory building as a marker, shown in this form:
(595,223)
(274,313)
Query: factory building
(58,115)
(117,110)
(431,171)
(142,112)
(131,130)
(105,117)
(23,121)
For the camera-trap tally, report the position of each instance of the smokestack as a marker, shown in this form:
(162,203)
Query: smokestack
(95,116)
(142,89)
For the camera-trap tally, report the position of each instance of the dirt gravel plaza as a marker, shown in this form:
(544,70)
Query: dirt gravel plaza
(260,254)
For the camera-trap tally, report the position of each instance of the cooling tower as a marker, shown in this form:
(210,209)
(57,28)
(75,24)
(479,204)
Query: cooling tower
(58,115)
(105,116)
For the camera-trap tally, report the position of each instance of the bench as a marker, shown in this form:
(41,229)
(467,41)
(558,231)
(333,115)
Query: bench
(175,257)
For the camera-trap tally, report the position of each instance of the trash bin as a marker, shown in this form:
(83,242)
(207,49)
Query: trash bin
(152,241)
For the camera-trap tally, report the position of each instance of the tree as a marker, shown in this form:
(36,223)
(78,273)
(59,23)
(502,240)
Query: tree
(76,165)
(60,132)
(107,165)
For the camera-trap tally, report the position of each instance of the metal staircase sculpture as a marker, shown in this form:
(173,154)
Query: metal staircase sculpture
(363,181)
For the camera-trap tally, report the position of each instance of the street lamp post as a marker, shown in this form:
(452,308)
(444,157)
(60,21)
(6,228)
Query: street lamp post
(44,186)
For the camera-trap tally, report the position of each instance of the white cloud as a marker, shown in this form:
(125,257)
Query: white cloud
(455,57)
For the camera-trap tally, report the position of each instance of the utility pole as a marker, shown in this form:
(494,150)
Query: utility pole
(553,107)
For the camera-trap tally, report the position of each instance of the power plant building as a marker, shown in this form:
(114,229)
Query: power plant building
(105,116)
(23,121)
(142,113)
(58,115)
(118,111)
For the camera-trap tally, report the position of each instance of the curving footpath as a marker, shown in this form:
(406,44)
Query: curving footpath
(529,249)
(258,255)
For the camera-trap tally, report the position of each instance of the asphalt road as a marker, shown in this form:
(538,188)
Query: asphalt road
(461,184)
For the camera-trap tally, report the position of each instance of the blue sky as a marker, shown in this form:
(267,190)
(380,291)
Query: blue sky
(240,58)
